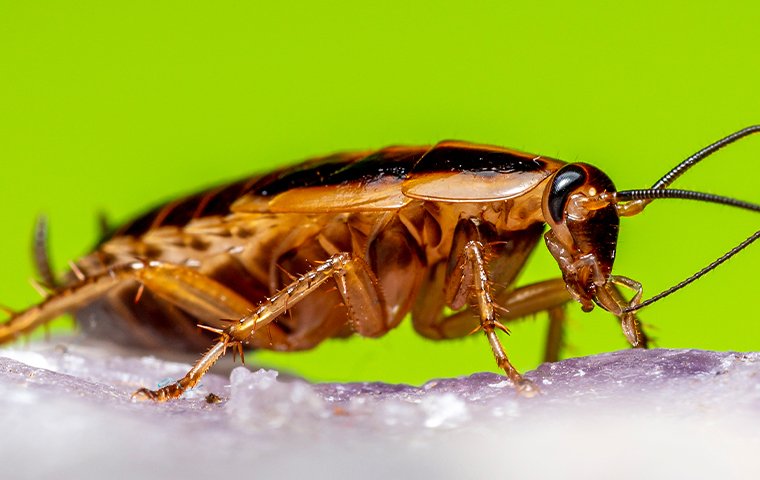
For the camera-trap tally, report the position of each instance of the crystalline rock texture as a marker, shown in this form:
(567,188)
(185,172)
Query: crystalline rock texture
(628,414)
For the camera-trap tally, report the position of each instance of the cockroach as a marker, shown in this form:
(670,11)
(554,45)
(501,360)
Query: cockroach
(351,243)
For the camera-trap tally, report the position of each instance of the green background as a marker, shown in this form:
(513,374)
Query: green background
(113,106)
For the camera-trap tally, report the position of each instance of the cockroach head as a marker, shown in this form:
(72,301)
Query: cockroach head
(583,226)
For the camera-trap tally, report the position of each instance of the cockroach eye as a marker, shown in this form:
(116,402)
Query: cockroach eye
(566,181)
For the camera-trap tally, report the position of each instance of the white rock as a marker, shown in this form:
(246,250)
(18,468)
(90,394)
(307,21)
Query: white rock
(629,414)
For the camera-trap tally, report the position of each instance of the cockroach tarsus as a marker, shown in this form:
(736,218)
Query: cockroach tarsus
(399,230)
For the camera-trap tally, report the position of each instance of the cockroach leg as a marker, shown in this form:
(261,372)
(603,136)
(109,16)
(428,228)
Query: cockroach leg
(60,302)
(356,284)
(191,378)
(555,336)
(552,295)
(548,295)
(632,327)
(42,253)
(610,296)
(474,268)
(180,286)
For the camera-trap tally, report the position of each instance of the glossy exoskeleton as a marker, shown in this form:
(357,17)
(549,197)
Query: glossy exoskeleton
(401,230)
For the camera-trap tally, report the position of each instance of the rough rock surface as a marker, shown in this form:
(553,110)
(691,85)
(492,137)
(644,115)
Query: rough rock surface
(628,414)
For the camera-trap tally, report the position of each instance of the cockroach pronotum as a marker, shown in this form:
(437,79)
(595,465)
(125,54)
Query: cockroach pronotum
(256,263)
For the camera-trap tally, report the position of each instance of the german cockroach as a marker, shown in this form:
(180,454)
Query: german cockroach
(256,263)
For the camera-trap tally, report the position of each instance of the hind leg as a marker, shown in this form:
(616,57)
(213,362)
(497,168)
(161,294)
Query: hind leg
(180,286)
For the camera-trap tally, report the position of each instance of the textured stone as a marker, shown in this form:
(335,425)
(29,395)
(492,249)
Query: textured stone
(627,414)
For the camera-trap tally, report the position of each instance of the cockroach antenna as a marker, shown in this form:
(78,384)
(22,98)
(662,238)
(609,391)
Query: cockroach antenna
(656,194)
(639,195)
(681,168)
(640,198)
(697,275)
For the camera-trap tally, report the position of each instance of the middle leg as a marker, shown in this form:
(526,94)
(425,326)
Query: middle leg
(474,282)
(356,284)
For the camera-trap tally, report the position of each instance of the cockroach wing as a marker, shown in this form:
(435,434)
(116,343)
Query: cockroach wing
(390,178)
(360,181)
(463,172)
(380,195)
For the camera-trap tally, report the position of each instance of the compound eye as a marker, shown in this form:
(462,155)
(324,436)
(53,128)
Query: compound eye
(566,181)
